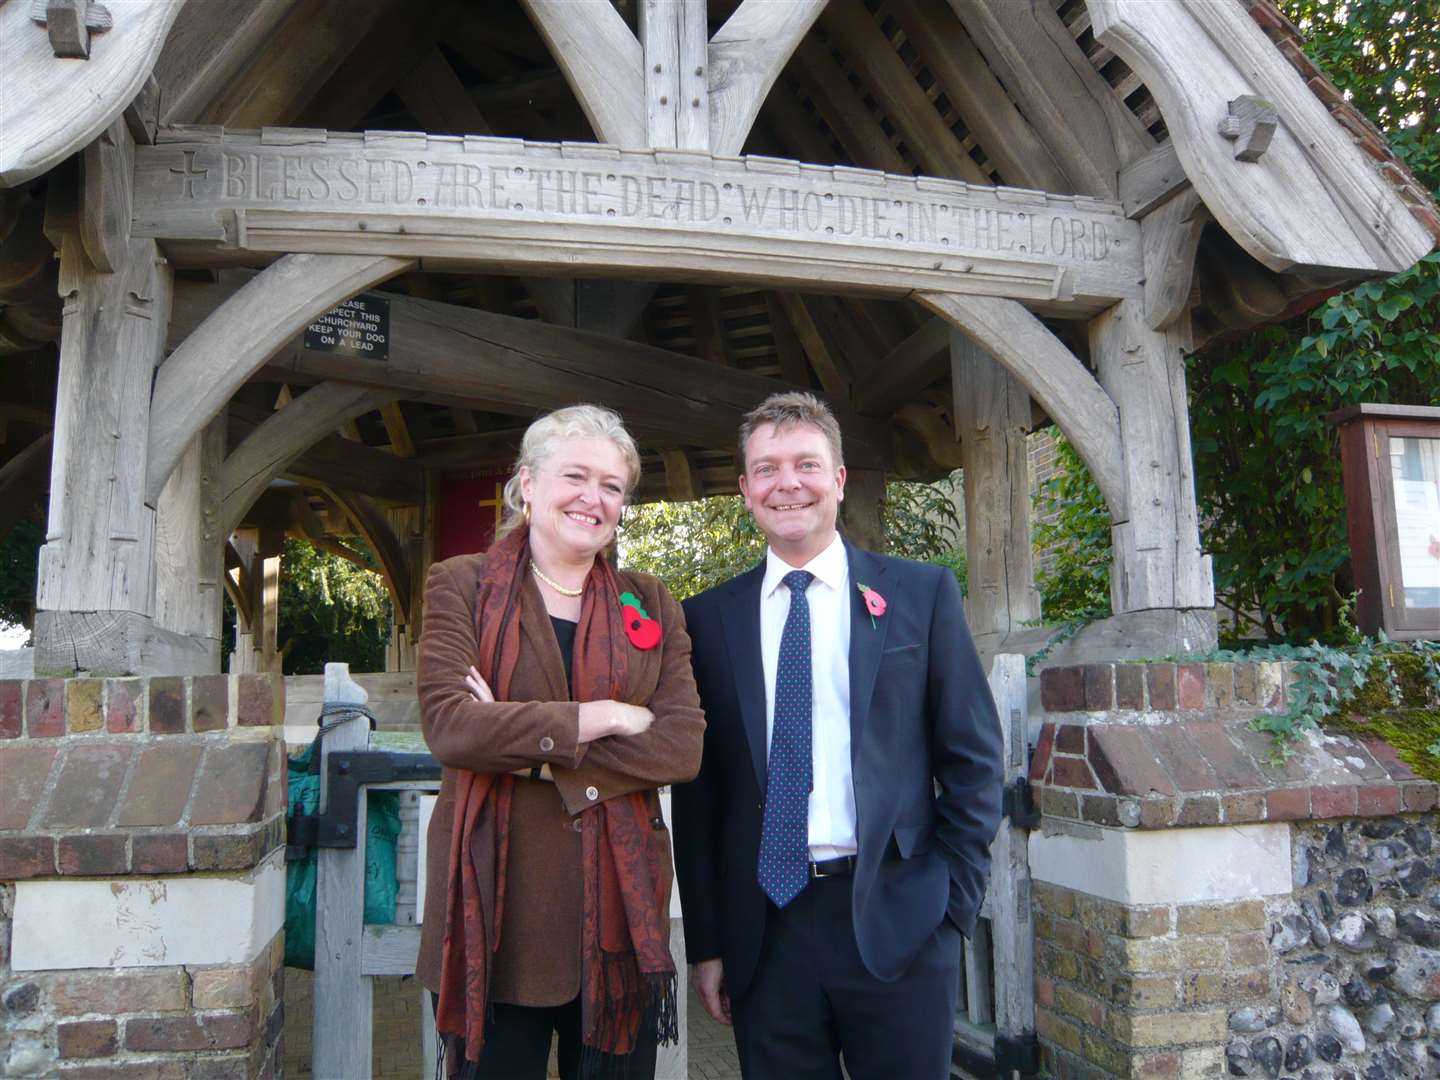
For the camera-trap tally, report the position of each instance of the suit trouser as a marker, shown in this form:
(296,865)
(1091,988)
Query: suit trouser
(812,1000)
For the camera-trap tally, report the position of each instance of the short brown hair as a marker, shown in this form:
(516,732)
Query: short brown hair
(785,409)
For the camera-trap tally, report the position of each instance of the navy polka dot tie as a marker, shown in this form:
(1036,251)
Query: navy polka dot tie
(785,835)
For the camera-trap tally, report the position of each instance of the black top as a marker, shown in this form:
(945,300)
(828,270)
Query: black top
(565,636)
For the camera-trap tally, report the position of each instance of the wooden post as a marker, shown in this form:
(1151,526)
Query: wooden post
(189,545)
(992,414)
(1012,932)
(1158,563)
(860,512)
(343,1000)
(95,586)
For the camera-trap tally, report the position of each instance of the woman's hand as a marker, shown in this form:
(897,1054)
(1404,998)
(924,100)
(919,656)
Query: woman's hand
(478,687)
(601,718)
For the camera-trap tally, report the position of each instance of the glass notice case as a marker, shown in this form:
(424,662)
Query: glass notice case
(1391,458)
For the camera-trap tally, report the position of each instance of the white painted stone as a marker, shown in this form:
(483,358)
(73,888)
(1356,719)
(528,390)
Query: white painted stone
(148,922)
(1177,866)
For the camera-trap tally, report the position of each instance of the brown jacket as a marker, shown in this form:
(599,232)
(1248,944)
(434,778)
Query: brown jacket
(538,962)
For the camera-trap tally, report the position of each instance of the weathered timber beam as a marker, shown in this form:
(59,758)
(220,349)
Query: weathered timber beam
(458,451)
(370,521)
(787,343)
(450,355)
(462,203)
(337,462)
(1148,181)
(1313,199)
(23,480)
(238,337)
(50,110)
(206,49)
(1003,133)
(924,130)
(844,111)
(290,68)
(682,481)
(1053,376)
(677,99)
(906,370)
(1071,106)
(602,61)
(284,436)
(746,56)
(393,46)
(397,429)
(813,341)
(1171,238)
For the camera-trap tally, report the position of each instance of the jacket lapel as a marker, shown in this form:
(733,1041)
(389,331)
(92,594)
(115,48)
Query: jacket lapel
(867,637)
(742,638)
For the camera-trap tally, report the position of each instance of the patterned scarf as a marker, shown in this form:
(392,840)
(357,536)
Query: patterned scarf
(626,975)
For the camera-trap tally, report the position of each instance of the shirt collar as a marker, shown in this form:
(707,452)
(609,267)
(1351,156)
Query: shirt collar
(830,567)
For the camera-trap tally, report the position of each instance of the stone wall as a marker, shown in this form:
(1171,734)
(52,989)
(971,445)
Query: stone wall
(1203,910)
(141,877)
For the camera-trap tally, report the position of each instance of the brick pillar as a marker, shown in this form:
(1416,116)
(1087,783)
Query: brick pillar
(1201,911)
(142,877)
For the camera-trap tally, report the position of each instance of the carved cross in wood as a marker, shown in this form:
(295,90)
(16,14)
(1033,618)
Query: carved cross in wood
(70,24)
(190,174)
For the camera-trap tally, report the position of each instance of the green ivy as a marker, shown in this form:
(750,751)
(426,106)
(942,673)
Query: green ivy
(1072,544)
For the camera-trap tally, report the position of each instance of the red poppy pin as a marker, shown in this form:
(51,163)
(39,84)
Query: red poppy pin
(640,628)
(874,602)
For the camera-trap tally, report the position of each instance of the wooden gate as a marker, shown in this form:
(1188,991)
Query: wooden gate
(995,1024)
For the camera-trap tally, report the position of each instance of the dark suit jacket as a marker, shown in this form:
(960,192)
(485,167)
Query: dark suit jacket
(921,721)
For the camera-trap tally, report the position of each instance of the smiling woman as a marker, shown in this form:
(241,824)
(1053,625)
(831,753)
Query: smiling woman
(557,694)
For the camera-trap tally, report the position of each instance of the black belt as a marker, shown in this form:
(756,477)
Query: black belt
(842,866)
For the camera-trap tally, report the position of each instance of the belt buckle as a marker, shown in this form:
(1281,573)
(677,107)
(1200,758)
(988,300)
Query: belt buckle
(846,865)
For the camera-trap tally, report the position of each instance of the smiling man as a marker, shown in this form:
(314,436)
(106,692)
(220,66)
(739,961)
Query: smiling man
(835,846)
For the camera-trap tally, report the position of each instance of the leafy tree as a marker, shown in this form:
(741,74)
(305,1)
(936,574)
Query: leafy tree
(694,545)
(331,609)
(1267,465)
(1073,535)
(19,555)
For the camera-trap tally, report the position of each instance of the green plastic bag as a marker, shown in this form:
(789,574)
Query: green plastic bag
(381,832)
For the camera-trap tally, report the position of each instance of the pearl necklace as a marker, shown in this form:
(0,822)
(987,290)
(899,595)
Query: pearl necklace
(561,589)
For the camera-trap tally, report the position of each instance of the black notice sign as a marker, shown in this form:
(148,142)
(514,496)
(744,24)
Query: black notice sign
(359,327)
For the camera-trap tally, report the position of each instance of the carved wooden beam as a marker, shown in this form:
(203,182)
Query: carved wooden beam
(602,61)
(284,436)
(445,353)
(924,130)
(1005,135)
(1314,199)
(369,520)
(1171,238)
(238,337)
(1053,376)
(51,109)
(1073,109)
(337,461)
(746,56)
(906,370)
(206,49)
(23,480)
(585,209)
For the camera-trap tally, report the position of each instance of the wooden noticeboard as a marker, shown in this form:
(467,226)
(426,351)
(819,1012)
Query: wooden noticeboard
(1391,458)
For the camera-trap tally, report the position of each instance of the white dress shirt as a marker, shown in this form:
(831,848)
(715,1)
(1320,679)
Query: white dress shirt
(832,799)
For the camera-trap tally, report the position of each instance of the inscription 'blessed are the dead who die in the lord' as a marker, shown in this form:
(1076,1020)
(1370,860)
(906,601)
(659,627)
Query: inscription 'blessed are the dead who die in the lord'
(761,204)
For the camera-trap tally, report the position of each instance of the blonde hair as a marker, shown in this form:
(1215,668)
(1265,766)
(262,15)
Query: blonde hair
(785,409)
(573,421)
